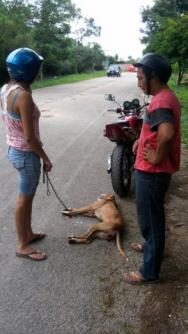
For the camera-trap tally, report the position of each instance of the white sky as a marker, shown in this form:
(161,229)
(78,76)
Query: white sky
(120,21)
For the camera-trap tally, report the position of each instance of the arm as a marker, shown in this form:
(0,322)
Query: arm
(164,136)
(135,146)
(24,105)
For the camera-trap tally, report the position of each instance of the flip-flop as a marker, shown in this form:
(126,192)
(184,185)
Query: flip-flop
(38,237)
(29,256)
(135,278)
(137,247)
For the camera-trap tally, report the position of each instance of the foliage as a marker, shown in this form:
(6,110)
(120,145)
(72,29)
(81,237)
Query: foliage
(88,30)
(181,92)
(167,31)
(86,57)
(45,26)
(15,18)
(50,32)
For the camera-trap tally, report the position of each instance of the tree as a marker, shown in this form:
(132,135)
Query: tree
(14,19)
(45,26)
(88,29)
(166,31)
(86,58)
(51,32)
(174,42)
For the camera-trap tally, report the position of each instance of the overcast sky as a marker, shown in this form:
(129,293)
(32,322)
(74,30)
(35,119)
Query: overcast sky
(120,21)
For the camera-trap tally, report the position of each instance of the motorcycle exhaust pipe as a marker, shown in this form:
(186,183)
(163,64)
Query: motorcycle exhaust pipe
(109,164)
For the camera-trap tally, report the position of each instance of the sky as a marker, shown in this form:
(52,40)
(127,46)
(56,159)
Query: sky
(120,21)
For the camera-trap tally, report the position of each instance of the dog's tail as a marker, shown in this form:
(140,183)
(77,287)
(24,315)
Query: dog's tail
(119,246)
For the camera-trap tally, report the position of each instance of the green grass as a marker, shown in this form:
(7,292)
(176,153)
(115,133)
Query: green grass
(67,79)
(182,93)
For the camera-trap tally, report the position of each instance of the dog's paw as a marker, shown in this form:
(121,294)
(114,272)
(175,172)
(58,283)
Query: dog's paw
(71,240)
(66,212)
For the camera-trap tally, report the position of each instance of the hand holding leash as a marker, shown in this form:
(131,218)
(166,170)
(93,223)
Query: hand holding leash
(47,165)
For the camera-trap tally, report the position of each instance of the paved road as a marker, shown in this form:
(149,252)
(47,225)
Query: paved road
(79,289)
(70,292)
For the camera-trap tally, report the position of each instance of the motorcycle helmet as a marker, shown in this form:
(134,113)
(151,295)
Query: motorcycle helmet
(23,64)
(155,65)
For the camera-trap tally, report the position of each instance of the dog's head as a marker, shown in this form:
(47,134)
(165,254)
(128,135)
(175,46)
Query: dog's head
(107,197)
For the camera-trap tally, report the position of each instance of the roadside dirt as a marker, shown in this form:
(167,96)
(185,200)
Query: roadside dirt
(161,308)
(169,298)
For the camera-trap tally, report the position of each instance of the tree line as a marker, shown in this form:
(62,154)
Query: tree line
(46,26)
(166,31)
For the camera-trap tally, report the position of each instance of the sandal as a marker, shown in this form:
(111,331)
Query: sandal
(135,277)
(137,247)
(31,255)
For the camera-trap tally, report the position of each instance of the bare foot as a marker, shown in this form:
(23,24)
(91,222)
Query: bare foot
(135,277)
(36,237)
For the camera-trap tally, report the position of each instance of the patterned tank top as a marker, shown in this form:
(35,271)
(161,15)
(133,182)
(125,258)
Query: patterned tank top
(13,122)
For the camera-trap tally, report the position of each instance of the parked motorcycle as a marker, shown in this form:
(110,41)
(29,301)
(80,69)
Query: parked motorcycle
(123,133)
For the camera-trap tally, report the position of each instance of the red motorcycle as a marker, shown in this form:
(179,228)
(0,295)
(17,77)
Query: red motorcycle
(123,132)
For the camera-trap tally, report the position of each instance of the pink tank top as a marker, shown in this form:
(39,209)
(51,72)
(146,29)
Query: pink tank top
(13,122)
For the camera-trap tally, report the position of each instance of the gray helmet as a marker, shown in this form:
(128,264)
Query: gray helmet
(153,65)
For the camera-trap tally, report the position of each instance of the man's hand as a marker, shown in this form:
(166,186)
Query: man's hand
(150,155)
(164,136)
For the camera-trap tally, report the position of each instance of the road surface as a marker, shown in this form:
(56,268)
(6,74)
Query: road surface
(79,289)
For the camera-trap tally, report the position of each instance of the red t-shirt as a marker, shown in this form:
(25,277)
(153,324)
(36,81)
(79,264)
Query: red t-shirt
(164,107)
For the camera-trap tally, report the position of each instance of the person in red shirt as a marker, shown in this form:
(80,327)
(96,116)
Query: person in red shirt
(157,157)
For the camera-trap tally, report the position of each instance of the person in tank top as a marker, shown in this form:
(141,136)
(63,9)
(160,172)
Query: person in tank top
(25,149)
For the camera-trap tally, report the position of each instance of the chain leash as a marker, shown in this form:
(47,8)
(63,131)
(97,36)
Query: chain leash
(49,182)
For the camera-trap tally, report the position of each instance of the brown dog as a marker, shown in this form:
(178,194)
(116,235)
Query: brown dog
(106,210)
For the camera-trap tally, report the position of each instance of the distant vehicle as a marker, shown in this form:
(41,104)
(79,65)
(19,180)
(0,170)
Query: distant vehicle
(113,71)
(131,68)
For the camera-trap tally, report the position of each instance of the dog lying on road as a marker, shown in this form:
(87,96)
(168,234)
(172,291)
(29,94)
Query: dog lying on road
(106,210)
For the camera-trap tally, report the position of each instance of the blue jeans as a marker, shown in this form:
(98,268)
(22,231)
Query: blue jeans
(28,165)
(150,194)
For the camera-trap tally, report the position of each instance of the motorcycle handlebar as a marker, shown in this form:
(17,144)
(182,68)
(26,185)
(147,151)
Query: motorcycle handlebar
(135,110)
(118,110)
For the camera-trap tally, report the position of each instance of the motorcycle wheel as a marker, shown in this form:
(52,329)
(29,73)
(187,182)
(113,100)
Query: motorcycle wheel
(120,170)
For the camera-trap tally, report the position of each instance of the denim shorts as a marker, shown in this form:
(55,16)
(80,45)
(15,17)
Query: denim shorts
(28,165)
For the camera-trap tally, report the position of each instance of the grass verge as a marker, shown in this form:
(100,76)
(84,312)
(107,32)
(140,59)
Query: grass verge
(70,78)
(182,93)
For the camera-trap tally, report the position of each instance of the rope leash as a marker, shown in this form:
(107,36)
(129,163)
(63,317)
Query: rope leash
(48,181)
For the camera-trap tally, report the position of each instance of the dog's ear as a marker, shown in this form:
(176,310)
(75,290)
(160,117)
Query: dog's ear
(107,197)
(102,196)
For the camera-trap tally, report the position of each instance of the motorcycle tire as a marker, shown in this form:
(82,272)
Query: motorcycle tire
(120,170)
